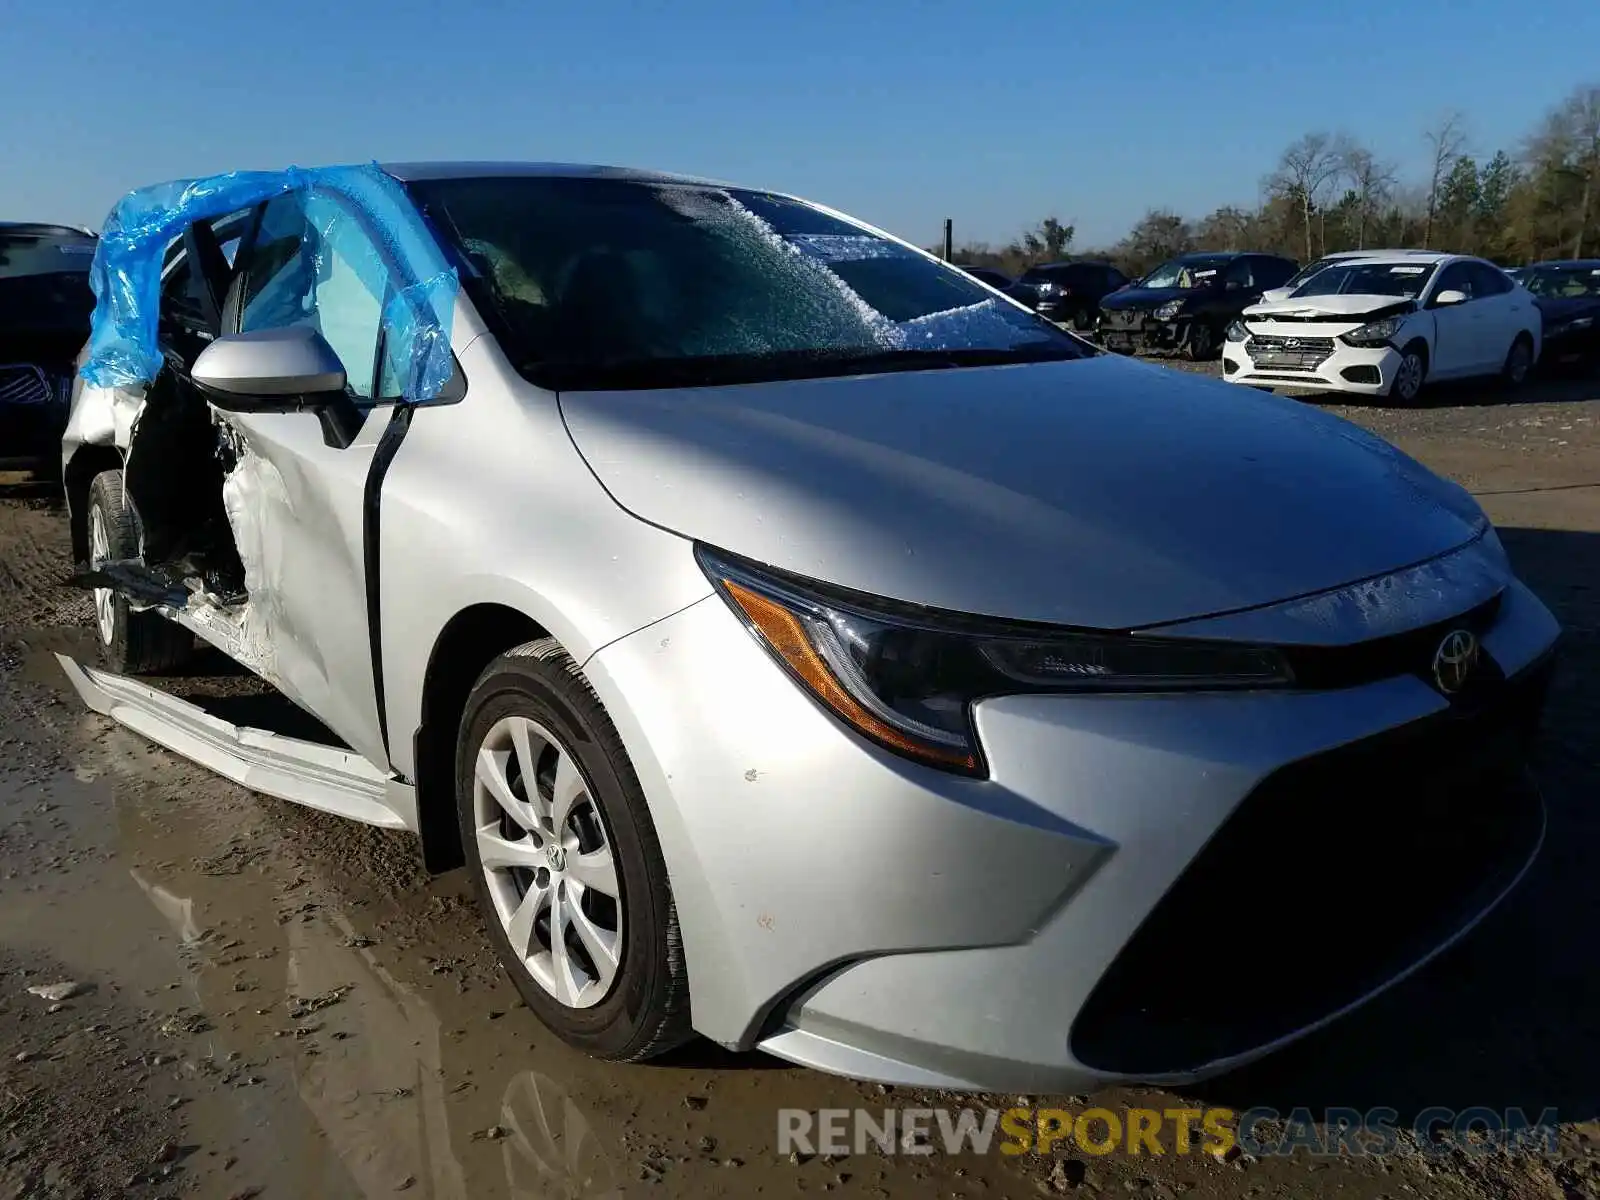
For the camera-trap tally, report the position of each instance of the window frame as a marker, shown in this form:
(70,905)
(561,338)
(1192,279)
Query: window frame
(1246,264)
(1441,285)
(1496,281)
(455,387)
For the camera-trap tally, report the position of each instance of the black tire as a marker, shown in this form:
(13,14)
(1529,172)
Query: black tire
(646,1011)
(1202,345)
(1082,320)
(1407,384)
(139,643)
(1518,366)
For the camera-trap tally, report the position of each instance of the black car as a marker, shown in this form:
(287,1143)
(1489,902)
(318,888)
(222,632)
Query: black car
(1568,296)
(1187,302)
(45,303)
(998,280)
(1068,292)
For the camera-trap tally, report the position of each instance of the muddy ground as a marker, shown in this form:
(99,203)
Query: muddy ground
(271,1002)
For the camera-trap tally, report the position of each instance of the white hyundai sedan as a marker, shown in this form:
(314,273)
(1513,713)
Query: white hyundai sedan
(1386,326)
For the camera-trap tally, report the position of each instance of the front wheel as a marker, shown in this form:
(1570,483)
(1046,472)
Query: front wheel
(1202,342)
(1409,375)
(134,643)
(565,859)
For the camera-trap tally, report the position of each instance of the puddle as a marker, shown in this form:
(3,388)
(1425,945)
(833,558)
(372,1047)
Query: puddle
(337,1024)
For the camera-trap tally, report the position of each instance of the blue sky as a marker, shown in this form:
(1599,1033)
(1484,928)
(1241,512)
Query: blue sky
(901,112)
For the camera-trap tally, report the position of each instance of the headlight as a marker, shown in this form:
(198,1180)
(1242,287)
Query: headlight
(1375,333)
(1169,310)
(1574,324)
(1236,332)
(907,677)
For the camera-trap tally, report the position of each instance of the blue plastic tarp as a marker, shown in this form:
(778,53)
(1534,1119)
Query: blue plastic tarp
(418,305)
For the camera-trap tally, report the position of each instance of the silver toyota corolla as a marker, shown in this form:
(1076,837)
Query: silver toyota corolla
(802,643)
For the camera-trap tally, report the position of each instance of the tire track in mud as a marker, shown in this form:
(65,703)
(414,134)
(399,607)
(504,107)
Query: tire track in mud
(35,560)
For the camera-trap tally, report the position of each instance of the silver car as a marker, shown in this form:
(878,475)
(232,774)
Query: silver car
(804,646)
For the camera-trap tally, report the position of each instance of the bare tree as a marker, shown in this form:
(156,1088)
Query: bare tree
(1305,172)
(1446,141)
(1371,182)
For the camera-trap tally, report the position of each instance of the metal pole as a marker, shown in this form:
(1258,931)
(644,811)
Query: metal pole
(949,240)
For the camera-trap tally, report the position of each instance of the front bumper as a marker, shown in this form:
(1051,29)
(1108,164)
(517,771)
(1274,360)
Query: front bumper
(859,913)
(1578,347)
(1365,371)
(1140,332)
(33,416)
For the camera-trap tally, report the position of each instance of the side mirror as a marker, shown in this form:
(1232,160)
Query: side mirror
(270,370)
(1448,297)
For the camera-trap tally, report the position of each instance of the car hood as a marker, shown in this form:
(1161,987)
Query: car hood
(1324,308)
(1147,297)
(1097,492)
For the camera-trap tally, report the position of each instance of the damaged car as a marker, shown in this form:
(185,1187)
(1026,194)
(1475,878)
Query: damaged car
(1568,295)
(1387,327)
(45,304)
(737,592)
(1186,304)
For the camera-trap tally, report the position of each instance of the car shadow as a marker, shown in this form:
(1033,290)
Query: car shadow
(1506,1018)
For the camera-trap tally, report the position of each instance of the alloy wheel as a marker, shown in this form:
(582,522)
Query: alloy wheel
(99,554)
(547,859)
(1408,378)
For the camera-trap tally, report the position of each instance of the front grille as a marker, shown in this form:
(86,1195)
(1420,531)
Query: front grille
(1125,318)
(24,384)
(1288,353)
(1409,653)
(1335,875)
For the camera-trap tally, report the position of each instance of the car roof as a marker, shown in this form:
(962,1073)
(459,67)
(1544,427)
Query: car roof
(1382,252)
(1426,256)
(415,172)
(43,229)
(1581,263)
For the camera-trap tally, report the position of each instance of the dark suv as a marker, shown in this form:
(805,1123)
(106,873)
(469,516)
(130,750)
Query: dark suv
(1068,292)
(1188,302)
(45,302)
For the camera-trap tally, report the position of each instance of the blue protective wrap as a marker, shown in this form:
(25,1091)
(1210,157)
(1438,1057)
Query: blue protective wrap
(418,305)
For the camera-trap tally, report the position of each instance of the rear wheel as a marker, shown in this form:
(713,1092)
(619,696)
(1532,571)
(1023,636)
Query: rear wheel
(1410,375)
(565,859)
(1519,362)
(133,643)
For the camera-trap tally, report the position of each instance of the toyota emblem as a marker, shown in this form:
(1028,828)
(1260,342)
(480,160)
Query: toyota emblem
(1453,661)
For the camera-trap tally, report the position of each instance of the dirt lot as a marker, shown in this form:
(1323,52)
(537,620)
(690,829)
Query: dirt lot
(272,1002)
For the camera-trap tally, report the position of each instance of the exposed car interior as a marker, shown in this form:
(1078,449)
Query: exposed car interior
(178,454)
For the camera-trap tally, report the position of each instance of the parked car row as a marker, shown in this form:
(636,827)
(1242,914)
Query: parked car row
(699,567)
(1382,322)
